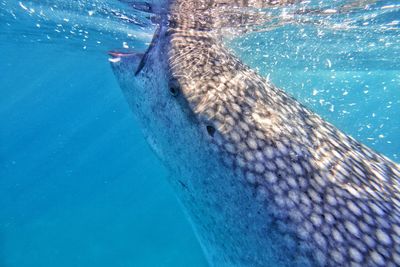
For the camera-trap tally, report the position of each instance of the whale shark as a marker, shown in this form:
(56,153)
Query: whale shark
(263,179)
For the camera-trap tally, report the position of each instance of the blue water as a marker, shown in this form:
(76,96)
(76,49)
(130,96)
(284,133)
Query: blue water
(78,184)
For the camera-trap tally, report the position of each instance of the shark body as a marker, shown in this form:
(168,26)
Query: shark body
(264,180)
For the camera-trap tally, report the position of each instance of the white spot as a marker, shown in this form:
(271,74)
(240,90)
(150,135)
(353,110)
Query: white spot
(353,207)
(320,239)
(305,200)
(240,162)
(316,220)
(314,196)
(337,235)
(352,228)
(270,177)
(297,169)
(355,255)
(269,152)
(293,196)
(235,136)
(377,209)
(244,126)
(302,182)
(249,156)
(252,143)
(251,178)
(351,190)
(259,167)
(337,256)
(292,182)
(396,258)
(329,218)
(321,258)
(241,147)
(265,121)
(277,190)
(280,163)
(280,201)
(259,156)
(364,227)
(282,148)
(230,148)
(296,215)
(383,237)
(303,233)
(369,241)
(377,258)
(396,229)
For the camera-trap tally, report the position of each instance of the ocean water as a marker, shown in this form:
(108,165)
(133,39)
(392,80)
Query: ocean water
(78,184)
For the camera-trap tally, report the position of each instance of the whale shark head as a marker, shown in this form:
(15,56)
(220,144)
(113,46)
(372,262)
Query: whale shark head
(185,91)
(156,99)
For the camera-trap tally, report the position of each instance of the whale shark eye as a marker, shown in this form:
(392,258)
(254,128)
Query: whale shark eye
(174,87)
(210,130)
(174,90)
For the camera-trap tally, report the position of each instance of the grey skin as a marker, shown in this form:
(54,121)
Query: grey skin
(264,180)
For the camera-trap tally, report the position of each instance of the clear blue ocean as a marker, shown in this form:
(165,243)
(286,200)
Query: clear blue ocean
(79,186)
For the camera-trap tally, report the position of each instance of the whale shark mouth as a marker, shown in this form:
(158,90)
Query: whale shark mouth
(134,61)
(117,54)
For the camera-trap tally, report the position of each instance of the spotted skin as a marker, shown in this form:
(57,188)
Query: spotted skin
(264,180)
